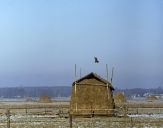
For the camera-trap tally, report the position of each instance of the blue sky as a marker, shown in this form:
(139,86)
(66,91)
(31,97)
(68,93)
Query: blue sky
(41,40)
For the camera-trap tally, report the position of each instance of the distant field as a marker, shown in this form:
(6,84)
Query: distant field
(145,103)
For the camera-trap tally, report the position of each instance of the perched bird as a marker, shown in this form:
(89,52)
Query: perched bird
(96,60)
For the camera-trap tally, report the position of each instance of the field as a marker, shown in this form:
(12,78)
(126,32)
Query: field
(55,115)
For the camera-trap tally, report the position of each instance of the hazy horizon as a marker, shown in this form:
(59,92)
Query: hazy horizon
(42,40)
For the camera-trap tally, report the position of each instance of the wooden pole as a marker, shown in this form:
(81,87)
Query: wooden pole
(107,72)
(45,111)
(8,118)
(107,85)
(75,91)
(70,119)
(112,74)
(80,72)
(26,111)
(75,72)
(111,83)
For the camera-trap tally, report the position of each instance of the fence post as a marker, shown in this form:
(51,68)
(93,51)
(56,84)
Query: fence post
(70,120)
(8,117)
(131,122)
(45,111)
(126,111)
(26,111)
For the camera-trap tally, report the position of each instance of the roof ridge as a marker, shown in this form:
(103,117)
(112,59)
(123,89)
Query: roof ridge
(96,76)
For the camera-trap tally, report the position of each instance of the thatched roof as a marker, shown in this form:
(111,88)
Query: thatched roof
(94,75)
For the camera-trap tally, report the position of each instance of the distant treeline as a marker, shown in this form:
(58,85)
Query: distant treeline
(22,92)
(64,91)
(140,92)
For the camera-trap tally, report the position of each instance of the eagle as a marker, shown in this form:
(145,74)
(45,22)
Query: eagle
(96,60)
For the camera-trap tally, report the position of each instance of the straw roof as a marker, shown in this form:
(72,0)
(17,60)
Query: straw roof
(92,74)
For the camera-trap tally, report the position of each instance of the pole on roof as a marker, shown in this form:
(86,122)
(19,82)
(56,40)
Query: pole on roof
(107,72)
(75,72)
(75,90)
(80,72)
(112,74)
(107,82)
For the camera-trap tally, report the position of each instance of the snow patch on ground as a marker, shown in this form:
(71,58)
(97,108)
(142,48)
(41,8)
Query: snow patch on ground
(147,115)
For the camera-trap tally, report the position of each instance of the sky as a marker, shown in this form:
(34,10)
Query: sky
(42,40)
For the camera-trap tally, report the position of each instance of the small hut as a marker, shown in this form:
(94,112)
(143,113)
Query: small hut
(119,98)
(91,95)
(45,99)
